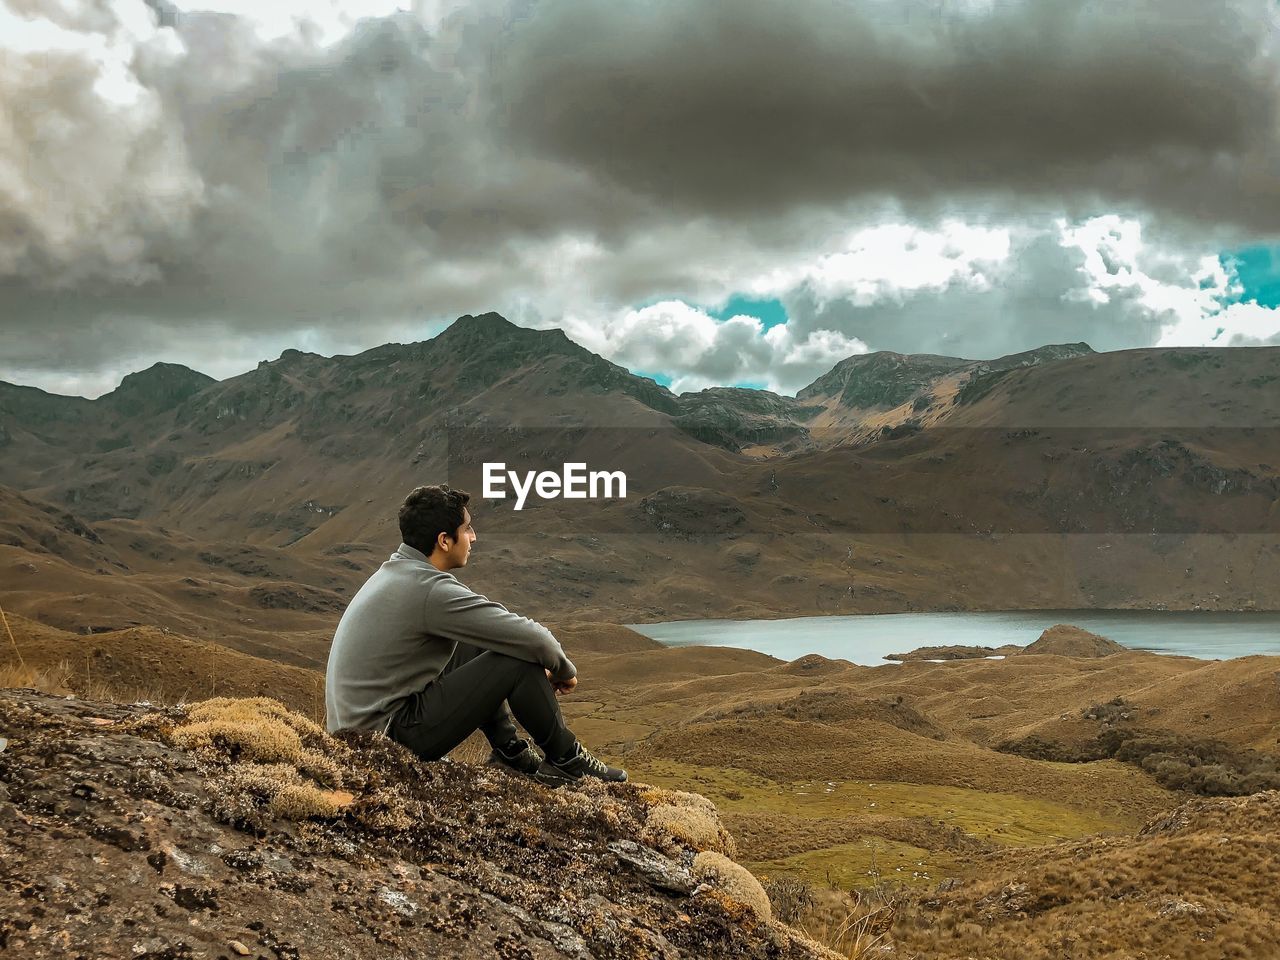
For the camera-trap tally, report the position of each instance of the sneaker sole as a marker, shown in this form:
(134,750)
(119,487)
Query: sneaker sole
(553,778)
(560,779)
(492,762)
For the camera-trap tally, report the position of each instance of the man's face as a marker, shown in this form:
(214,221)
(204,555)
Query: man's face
(460,543)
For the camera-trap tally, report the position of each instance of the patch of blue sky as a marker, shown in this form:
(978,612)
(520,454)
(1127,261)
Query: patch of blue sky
(770,313)
(1258,271)
(660,378)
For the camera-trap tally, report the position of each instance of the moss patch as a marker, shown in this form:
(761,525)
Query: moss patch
(806,811)
(1007,819)
(864,863)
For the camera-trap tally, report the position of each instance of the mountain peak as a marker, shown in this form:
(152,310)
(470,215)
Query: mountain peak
(1044,354)
(492,335)
(481,350)
(487,323)
(880,379)
(159,387)
(290,357)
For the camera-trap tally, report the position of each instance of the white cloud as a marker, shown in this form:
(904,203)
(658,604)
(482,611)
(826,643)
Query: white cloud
(893,260)
(968,290)
(323,22)
(1237,324)
(1180,285)
(1193,296)
(1105,280)
(698,351)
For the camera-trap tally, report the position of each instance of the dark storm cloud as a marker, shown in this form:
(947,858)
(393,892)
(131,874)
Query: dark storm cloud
(412,172)
(268,186)
(756,105)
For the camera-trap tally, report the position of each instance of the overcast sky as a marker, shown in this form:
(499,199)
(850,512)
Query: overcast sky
(709,193)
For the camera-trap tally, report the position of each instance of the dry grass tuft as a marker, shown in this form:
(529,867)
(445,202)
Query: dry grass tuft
(865,931)
(247,791)
(66,666)
(733,880)
(475,749)
(278,764)
(12,640)
(265,731)
(55,680)
(856,924)
(688,820)
(662,796)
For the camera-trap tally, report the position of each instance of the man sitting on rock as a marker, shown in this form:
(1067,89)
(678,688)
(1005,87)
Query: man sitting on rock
(424,659)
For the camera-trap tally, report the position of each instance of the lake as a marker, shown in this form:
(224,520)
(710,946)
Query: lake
(866,639)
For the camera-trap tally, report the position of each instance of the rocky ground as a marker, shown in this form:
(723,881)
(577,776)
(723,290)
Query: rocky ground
(238,829)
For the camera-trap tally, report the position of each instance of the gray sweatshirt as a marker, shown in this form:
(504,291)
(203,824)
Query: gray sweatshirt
(400,630)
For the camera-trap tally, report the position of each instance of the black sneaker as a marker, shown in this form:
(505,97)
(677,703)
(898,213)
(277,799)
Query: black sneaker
(578,765)
(518,757)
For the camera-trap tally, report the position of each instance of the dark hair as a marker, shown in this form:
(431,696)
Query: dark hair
(429,511)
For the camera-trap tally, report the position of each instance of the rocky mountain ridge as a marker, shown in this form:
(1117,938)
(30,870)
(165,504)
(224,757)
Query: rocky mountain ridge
(218,496)
(882,378)
(452,370)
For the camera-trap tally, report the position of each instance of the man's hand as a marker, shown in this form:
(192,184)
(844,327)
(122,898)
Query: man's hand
(562,686)
(565,686)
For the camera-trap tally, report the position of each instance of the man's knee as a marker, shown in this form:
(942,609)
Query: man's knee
(514,665)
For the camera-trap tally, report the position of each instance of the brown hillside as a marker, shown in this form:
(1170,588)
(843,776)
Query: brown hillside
(954,652)
(1152,387)
(39,529)
(579,637)
(116,574)
(823,768)
(816,770)
(1065,640)
(1199,882)
(149,663)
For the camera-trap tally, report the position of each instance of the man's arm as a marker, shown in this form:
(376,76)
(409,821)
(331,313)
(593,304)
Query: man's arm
(457,613)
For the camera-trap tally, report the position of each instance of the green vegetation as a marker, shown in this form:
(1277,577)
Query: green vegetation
(842,831)
(978,386)
(1186,359)
(1176,761)
(1004,818)
(1205,767)
(865,863)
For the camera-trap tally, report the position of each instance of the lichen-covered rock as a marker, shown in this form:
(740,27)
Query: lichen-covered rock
(137,831)
(658,871)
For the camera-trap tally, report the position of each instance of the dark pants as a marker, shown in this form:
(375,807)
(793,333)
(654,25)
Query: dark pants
(472,693)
